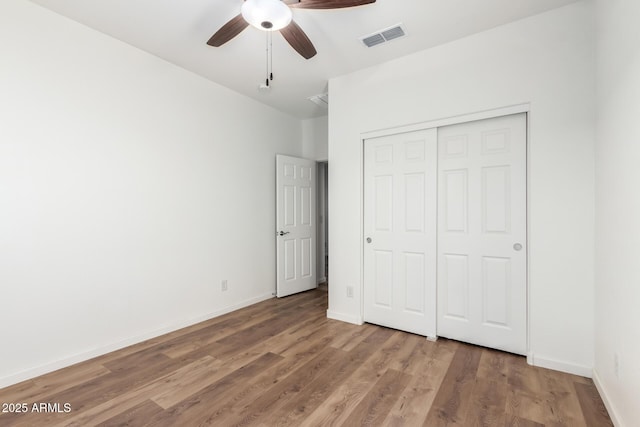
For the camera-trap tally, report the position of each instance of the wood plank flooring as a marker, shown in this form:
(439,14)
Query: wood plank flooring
(283,363)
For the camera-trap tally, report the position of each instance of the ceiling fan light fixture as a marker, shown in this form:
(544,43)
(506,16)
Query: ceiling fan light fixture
(266,15)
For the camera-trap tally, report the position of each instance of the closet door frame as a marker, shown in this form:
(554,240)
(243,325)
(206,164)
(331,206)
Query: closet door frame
(429,124)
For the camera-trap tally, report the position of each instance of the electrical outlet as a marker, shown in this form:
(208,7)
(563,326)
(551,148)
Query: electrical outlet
(223,286)
(616,365)
(349,291)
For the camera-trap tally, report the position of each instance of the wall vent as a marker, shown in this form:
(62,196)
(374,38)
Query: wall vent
(384,35)
(321,99)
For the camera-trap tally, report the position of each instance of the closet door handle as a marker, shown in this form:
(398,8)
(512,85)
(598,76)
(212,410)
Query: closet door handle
(282,233)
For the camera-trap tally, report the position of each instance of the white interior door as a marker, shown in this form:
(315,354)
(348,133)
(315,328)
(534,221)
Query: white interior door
(482,233)
(295,225)
(400,174)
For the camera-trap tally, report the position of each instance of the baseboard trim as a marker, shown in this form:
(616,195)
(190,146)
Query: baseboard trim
(348,318)
(558,365)
(605,398)
(81,357)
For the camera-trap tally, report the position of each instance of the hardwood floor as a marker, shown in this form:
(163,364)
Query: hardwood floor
(282,362)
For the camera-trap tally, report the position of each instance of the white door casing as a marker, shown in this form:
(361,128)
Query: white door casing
(295,225)
(482,247)
(400,173)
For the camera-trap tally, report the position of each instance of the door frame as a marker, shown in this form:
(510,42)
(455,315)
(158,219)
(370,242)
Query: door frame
(436,123)
(322,214)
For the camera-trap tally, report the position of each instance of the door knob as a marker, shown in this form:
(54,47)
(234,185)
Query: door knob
(368,239)
(282,233)
(517,246)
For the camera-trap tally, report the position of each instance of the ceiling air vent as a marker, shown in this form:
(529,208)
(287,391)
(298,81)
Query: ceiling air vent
(384,35)
(321,99)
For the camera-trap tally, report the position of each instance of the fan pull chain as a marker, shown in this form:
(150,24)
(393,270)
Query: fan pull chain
(269,51)
(271,55)
(267,79)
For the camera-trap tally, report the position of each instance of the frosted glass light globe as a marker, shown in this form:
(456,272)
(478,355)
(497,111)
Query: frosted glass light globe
(266,15)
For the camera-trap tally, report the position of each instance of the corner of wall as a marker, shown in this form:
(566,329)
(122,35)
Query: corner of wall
(315,138)
(608,403)
(348,318)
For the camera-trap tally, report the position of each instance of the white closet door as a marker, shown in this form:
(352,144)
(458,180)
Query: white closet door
(482,233)
(400,174)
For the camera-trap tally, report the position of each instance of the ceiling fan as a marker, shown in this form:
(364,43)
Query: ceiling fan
(276,15)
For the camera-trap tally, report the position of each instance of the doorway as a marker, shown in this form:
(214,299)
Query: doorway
(322,204)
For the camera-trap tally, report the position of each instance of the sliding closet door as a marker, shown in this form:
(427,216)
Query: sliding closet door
(482,233)
(400,174)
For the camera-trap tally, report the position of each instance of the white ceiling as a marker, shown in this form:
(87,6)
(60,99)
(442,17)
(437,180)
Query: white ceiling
(177,31)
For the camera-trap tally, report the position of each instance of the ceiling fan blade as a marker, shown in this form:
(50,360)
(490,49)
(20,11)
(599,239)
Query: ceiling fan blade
(329,4)
(228,31)
(298,40)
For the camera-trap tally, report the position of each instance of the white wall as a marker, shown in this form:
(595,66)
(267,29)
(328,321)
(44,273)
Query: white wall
(129,188)
(546,60)
(618,208)
(315,138)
